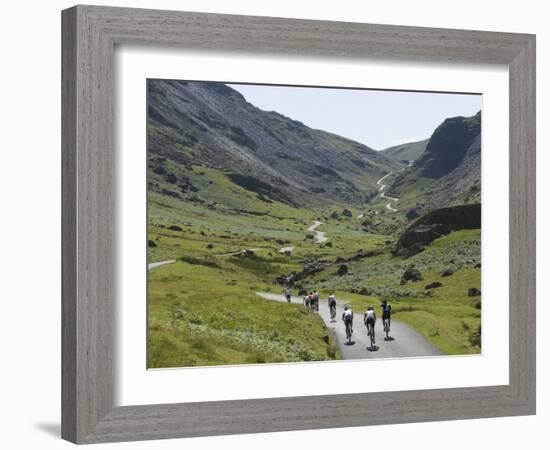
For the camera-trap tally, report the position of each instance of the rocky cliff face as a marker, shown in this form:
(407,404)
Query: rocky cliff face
(449,145)
(212,125)
(449,170)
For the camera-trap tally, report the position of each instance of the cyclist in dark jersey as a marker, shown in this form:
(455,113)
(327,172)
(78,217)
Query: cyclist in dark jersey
(288,294)
(386,314)
(332,307)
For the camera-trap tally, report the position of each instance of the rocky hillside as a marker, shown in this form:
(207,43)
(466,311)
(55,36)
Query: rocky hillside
(210,125)
(449,170)
(435,224)
(405,153)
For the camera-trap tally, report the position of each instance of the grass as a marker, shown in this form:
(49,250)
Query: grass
(200,315)
(203,310)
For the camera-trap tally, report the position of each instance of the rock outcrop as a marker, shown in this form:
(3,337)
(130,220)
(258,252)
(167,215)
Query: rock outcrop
(436,224)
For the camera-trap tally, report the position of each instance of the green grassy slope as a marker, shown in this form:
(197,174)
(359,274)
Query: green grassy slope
(203,310)
(404,153)
(209,315)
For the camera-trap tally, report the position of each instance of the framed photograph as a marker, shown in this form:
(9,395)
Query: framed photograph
(268,222)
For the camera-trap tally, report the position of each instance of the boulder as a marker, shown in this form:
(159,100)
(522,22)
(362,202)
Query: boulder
(347,213)
(342,270)
(447,273)
(175,228)
(412,214)
(474,292)
(151,243)
(308,269)
(411,274)
(434,285)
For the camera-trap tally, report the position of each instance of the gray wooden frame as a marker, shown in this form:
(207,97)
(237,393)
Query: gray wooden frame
(89,36)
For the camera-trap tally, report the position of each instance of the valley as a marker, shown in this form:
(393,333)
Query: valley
(252,202)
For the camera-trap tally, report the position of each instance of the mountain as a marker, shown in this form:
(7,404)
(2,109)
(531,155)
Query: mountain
(194,125)
(449,145)
(407,152)
(448,172)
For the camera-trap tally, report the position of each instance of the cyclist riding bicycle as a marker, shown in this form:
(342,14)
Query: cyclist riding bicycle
(332,306)
(347,317)
(288,294)
(311,302)
(316,300)
(386,315)
(370,321)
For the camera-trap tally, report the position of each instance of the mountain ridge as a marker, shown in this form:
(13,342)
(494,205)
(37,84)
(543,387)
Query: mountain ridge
(211,124)
(406,152)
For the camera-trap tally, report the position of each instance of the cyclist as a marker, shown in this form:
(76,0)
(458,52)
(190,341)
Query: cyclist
(332,307)
(288,294)
(347,317)
(316,300)
(370,321)
(311,301)
(386,315)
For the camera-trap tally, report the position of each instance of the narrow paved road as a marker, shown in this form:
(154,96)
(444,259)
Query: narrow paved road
(154,265)
(406,343)
(320,236)
(383,187)
(383,195)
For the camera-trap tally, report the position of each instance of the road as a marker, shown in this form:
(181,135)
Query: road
(320,236)
(154,265)
(381,190)
(406,343)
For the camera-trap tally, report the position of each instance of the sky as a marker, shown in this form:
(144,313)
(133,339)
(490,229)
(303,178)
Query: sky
(379,119)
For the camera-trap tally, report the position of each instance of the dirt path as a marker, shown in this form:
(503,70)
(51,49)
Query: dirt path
(406,343)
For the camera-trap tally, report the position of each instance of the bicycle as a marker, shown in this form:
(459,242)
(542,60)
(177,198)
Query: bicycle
(370,331)
(333,313)
(349,332)
(386,323)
